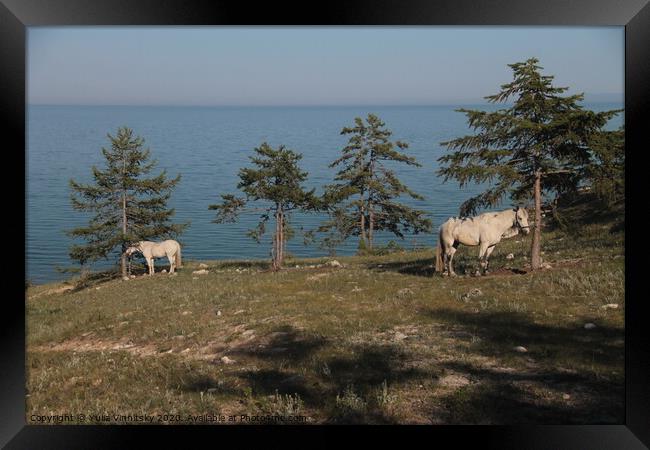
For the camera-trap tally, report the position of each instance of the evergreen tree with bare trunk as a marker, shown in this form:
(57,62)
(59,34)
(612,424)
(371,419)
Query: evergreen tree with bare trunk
(539,145)
(365,196)
(128,206)
(275,181)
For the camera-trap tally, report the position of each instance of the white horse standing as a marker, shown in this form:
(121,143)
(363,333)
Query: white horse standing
(485,230)
(150,250)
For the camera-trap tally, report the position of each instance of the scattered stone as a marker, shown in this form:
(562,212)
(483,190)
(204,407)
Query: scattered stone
(185,313)
(133,277)
(97,288)
(334,263)
(454,381)
(400,336)
(380,265)
(201,272)
(545,265)
(238,312)
(203,266)
(248,333)
(226,360)
(520,349)
(126,278)
(510,256)
(357,289)
(590,326)
(163,271)
(312,266)
(194,278)
(185,351)
(405,292)
(610,306)
(218,313)
(566,396)
(476,292)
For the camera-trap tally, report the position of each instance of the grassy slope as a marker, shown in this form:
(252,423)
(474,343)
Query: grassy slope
(378,341)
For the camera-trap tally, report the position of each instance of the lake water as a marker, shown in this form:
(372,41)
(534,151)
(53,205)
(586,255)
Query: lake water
(207,146)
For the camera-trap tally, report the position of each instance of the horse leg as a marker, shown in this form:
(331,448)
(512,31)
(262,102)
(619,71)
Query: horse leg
(172,261)
(150,264)
(451,251)
(488,252)
(482,258)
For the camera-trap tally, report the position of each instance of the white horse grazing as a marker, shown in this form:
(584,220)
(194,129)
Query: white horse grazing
(485,230)
(150,250)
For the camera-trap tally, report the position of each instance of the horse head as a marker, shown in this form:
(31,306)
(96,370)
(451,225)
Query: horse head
(131,250)
(521,219)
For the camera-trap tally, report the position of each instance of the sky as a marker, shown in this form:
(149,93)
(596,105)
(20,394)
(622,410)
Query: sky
(263,66)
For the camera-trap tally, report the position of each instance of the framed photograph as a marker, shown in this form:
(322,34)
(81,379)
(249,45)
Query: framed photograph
(362,214)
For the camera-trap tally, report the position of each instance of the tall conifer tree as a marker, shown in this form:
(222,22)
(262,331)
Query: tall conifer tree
(364,198)
(538,145)
(127,206)
(275,180)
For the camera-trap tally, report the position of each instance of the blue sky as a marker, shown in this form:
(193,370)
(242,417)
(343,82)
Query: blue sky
(311,65)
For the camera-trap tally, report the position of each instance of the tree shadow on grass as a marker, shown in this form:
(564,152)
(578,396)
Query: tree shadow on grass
(500,331)
(507,395)
(420,267)
(255,264)
(354,376)
(532,398)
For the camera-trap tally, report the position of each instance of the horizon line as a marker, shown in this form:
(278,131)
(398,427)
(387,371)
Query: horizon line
(300,105)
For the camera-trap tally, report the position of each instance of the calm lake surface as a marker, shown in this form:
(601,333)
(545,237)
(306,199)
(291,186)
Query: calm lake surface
(207,146)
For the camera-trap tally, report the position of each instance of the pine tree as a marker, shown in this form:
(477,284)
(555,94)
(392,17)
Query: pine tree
(275,179)
(606,172)
(128,207)
(537,146)
(364,198)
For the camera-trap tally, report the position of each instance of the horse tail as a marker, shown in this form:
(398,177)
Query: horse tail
(179,262)
(439,252)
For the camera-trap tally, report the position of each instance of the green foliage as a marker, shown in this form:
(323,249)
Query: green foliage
(364,197)
(127,205)
(541,133)
(606,172)
(276,181)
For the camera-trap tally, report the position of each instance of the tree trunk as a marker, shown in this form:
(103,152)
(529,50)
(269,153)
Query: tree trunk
(281,246)
(535,251)
(124,228)
(276,242)
(371,228)
(362,224)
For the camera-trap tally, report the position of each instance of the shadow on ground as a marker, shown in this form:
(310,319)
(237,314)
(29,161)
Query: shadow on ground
(310,366)
(536,392)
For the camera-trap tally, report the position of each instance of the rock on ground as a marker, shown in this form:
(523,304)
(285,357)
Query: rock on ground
(226,360)
(520,349)
(590,326)
(200,272)
(405,292)
(203,266)
(510,256)
(610,306)
(334,263)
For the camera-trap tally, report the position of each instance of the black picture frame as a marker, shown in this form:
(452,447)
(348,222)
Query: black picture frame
(16,15)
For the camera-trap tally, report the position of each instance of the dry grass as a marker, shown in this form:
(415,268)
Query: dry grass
(380,340)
